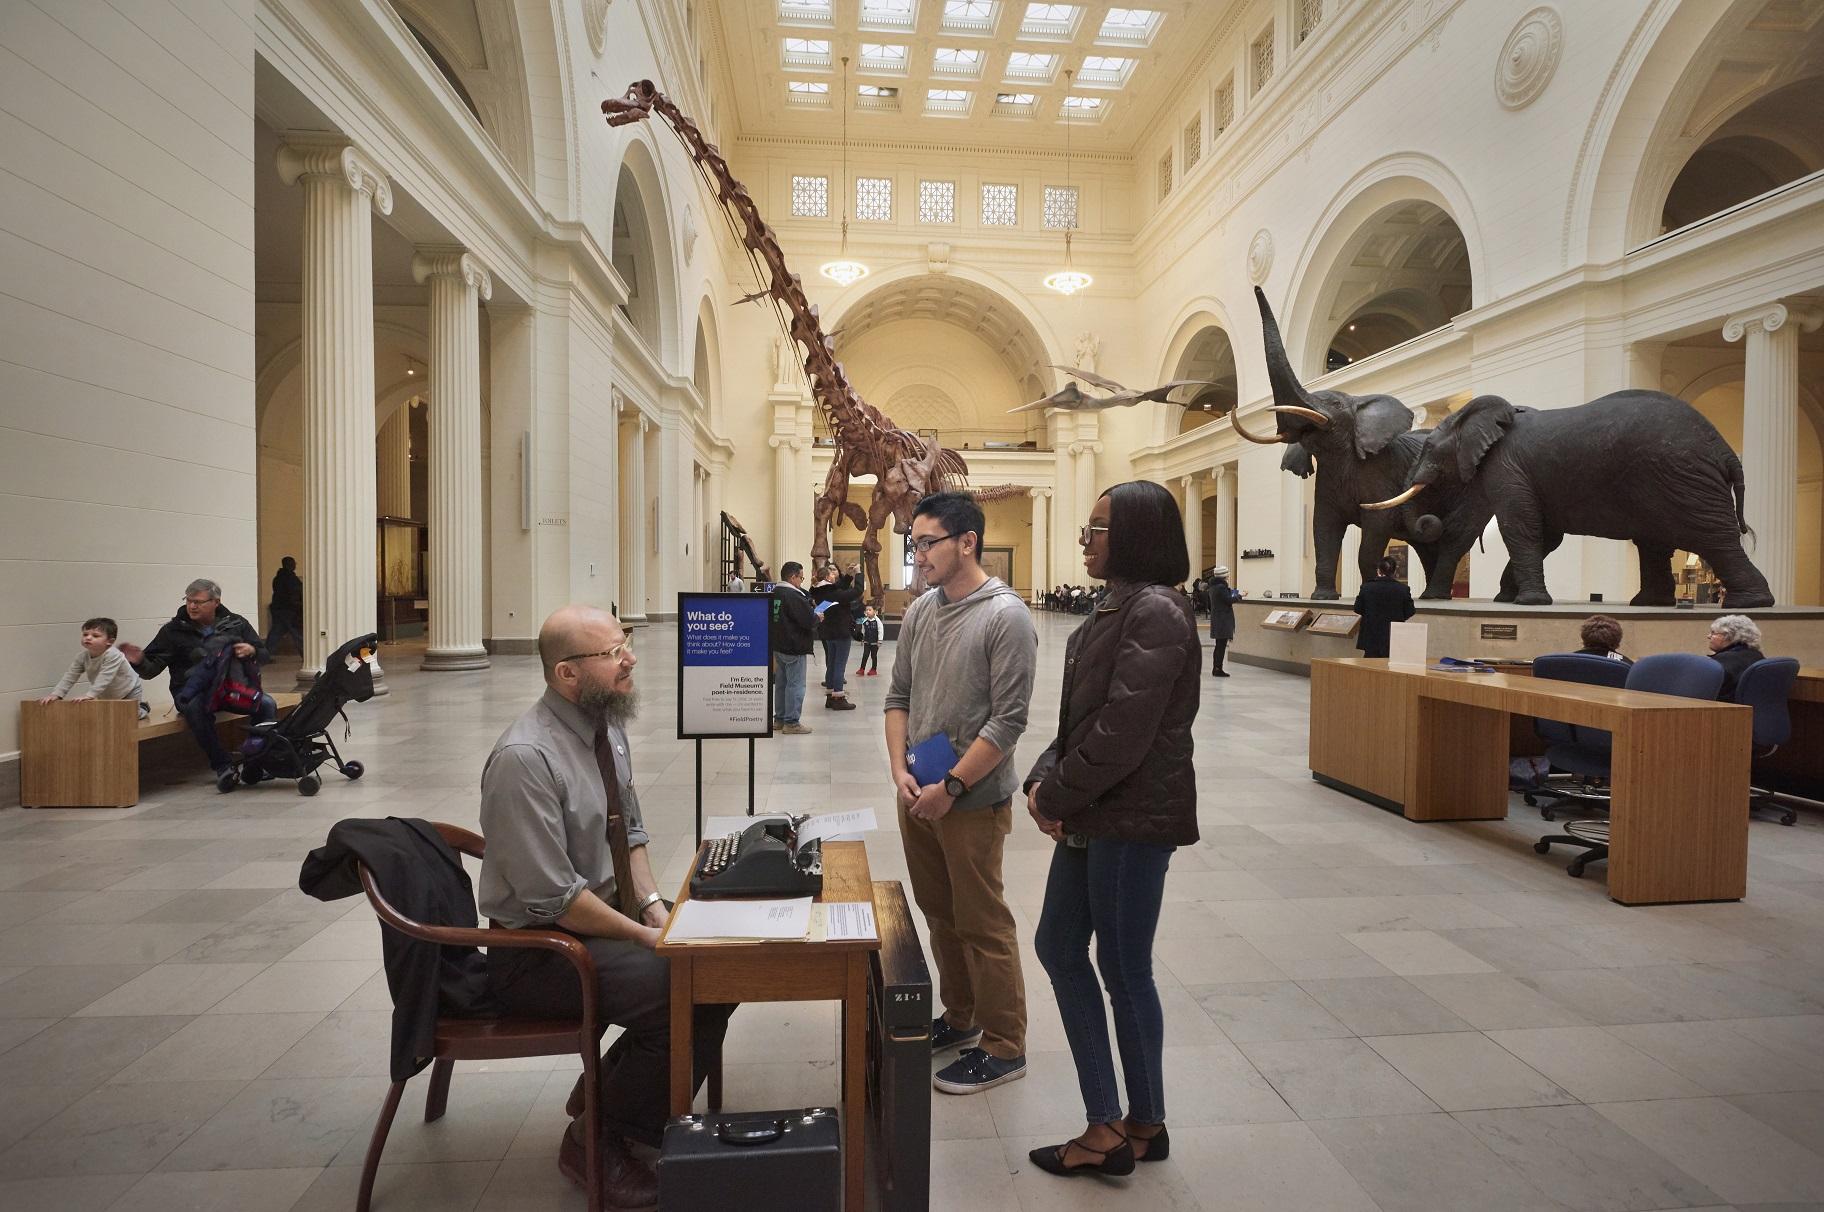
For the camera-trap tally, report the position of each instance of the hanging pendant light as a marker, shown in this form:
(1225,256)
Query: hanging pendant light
(844,270)
(1069,280)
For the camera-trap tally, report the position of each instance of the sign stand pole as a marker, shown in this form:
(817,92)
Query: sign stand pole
(750,776)
(700,794)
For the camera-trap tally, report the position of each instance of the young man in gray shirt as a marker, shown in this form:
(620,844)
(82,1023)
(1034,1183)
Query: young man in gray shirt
(545,801)
(964,667)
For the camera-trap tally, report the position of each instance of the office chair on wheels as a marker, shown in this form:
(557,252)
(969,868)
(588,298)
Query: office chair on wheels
(1572,787)
(1684,674)
(1765,686)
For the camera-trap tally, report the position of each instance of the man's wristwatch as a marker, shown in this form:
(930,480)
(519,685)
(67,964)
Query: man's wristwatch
(652,898)
(954,787)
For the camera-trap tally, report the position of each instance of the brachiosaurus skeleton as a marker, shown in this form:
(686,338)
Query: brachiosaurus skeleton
(905,465)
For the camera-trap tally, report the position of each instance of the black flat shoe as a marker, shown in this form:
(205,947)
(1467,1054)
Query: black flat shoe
(1158,1145)
(1115,1162)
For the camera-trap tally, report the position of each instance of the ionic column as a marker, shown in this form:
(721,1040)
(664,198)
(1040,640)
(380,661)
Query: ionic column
(395,464)
(341,187)
(1086,453)
(633,441)
(458,283)
(1041,538)
(785,501)
(1193,523)
(1770,435)
(1225,521)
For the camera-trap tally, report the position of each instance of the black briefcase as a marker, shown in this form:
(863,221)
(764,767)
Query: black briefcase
(759,1161)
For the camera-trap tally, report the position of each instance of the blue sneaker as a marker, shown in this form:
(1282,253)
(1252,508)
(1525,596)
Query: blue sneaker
(975,1071)
(944,1037)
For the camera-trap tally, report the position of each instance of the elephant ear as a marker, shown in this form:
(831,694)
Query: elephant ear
(1478,425)
(1297,460)
(1378,421)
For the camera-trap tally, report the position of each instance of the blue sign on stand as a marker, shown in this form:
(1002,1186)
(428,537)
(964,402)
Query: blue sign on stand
(725,672)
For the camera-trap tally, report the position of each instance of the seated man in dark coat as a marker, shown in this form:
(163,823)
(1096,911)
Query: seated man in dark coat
(184,641)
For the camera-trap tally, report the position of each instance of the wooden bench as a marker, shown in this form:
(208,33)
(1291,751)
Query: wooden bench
(85,754)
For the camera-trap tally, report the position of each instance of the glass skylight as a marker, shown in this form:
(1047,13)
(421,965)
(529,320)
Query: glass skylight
(883,56)
(1129,26)
(807,46)
(947,94)
(876,90)
(1050,20)
(808,88)
(1030,65)
(806,12)
(954,61)
(887,14)
(1015,98)
(968,10)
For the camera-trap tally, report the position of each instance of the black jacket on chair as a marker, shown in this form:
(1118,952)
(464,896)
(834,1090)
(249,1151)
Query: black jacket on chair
(421,876)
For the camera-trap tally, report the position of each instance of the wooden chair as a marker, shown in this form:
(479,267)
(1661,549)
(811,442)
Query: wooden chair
(495,1038)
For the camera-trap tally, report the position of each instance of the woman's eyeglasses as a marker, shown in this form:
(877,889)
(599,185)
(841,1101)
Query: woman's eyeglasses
(1089,532)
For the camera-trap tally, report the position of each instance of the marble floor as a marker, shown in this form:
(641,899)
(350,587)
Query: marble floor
(1361,1013)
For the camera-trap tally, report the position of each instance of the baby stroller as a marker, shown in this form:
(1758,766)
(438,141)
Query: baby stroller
(293,748)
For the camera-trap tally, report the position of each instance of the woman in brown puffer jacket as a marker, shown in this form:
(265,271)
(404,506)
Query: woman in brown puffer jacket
(1117,792)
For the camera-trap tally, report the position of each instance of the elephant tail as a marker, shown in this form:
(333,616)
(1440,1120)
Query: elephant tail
(1738,485)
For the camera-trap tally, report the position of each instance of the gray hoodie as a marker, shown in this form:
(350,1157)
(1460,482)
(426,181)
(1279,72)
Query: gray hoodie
(965,668)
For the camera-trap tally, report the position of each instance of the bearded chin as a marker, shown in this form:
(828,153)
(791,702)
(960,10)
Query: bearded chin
(607,706)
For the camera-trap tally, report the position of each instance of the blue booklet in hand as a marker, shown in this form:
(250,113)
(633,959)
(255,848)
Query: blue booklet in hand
(931,759)
(820,607)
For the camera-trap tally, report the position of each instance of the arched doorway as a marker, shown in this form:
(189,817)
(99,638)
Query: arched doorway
(1404,272)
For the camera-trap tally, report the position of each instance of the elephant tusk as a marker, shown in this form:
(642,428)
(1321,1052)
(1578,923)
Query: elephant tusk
(1235,420)
(1310,414)
(1395,502)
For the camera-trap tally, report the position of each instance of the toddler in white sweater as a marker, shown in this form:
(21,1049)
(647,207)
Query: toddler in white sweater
(103,666)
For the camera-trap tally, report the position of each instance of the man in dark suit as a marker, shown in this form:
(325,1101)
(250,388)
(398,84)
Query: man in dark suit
(1381,603)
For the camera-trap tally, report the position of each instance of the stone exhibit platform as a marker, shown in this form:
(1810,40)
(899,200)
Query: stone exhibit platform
(1469,628)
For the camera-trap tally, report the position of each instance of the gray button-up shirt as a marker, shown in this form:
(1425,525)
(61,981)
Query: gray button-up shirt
(544,814)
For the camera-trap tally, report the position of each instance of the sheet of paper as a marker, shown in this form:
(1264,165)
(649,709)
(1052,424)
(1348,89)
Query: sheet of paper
(741,920)
(838,826)
(722,826)
(844,920)
(1406,645)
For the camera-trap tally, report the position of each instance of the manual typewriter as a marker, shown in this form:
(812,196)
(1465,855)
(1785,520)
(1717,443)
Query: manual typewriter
(765,859)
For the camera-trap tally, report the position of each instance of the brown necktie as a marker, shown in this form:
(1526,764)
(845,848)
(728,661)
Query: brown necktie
(617,827)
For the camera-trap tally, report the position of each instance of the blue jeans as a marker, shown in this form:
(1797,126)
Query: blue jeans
(788,686)
(1112,891)
(201,720)
(285,625)
(835,663)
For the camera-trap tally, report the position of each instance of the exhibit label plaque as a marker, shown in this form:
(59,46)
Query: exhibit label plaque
(725,678)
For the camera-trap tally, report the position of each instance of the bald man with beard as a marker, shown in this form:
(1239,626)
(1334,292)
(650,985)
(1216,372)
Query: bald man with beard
(549,865)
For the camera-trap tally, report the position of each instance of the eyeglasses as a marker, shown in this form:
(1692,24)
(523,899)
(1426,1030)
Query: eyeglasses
(1089,532)
(619,652)
(923,546)
(198,601)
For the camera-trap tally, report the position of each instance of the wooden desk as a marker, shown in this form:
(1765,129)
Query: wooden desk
(787,972)
(1434,747)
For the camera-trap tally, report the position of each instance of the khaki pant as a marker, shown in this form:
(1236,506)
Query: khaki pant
(955,868)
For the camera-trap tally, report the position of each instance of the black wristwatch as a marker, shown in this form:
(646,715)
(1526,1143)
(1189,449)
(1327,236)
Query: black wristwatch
(954,787)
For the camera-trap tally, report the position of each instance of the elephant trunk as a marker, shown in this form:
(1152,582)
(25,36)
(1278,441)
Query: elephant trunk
(1287,390)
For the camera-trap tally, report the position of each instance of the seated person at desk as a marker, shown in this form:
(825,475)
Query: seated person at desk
(547,792)
(1602,638)
(1381,603)
(1735,644)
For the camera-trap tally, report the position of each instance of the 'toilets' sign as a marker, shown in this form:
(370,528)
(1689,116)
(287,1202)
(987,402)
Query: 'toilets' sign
(725,679)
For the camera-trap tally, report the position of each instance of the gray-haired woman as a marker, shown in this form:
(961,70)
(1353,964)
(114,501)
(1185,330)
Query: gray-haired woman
(1735,644)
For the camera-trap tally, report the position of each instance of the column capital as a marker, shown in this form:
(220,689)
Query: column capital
(778,441)
(337,158)
(1042,492)
(1770,318)
(433,261)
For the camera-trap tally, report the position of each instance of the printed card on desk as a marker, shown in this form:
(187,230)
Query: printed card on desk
(843,921)
(741,921)
(1406,645)
(838,826)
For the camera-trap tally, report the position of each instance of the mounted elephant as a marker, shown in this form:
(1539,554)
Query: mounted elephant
(1358,447)
(1640,466)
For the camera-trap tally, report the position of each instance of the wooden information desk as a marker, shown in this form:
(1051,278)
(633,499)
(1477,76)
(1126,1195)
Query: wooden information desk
(1433,746)
(786,972)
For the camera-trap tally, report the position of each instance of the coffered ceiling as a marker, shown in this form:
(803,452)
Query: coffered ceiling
(974,73)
